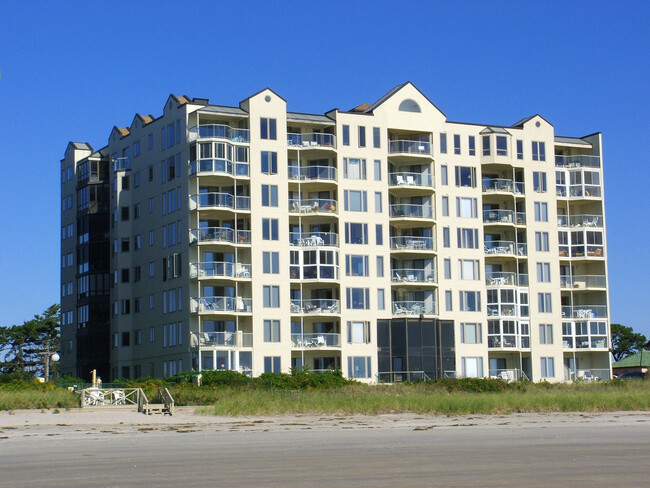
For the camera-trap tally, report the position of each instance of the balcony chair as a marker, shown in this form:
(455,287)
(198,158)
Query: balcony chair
(242,272)
(400,180)
(410,180)
(320,341)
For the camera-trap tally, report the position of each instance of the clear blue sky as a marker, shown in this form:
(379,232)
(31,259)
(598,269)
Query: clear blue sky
(72,70)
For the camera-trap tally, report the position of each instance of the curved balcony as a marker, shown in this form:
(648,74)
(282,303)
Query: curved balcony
(314,239)
(220,269)
(316,140)
(315,341)
(228,305)
(500,185)
(219,167)
(220,235)
(315,307)
(413,276)
(406,179)
(307,174)
(499,217)
(218,131)
(504,248)
(220,201)
(413,307)
(412,148)
(411,211)
(583,282)
(412,243)
(221,339)
(313,206)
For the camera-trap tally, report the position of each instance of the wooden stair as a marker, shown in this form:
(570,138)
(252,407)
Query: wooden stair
(155,408)
(164,408)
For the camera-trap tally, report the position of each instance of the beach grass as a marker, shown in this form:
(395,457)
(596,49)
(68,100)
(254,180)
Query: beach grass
(15,399)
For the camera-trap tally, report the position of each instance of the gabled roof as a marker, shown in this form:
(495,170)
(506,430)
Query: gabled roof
(634,360)
(182,100)
(123,131)
(262,90)
(393,92)
(520,123)
(494,130)
(82,146)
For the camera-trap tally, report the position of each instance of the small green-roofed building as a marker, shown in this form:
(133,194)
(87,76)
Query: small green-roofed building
(636,362)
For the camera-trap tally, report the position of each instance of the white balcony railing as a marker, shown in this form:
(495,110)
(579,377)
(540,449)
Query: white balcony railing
(311,140)
(413,275)
(499,216)
(219,167)
(221,304)
(580,221)
(410,179)
(502,185)
(312,173)
(220,269)
(409,147)
(413,307)
(505,248)
(585,311)
(216,200)
(412,243)
(577,161)
(583,281)
(223,235)
(221,339)
(314,239)
(315,340)
(315,306)
(313,206)
(408,210)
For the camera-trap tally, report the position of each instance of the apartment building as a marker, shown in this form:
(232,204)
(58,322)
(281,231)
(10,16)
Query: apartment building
(385,241)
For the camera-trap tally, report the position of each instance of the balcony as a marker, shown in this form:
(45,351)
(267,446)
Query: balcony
(403,179)
(221,339)
(411,211)
(311,141)
(504,248)
(585,342)
(417,148)
(220,269)
(223,167)
(315,307)
(218,131)
(577,161)
(584,311)
(221,304)
(314,239)
(580,221)
(315,341)
(581,251)
(314,272)
(414,307)
(413,276)
(221,201)
(500,185)
(500,279)
(220,235)
(313,206)
(412,243)
(316,173)
(501,310)
(508,341)
(582,282)
(498,216)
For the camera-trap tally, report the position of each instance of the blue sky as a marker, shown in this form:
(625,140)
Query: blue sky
(72,70)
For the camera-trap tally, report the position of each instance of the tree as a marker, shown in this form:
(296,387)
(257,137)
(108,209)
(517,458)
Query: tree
(625,341)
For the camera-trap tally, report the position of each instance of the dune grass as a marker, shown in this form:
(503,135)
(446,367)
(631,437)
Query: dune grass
(14,399)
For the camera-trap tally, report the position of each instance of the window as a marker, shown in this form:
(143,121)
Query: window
(272,364)
(471,367)
(269,195)
(379,235)
(356,233)
(467,238)
(470,301)
(354,168)
(380,266)
(466,176)
(539,181)
(445,237)
(271,331)
(502,146)
(125,245)
(468,269)
(546,333)
(381,301)
(269,162)
(541,212)
(547,367)
(377,202)
(268,129)
(444,178)
(270,229)
(137,273)
(486,145)
(541,241)
(355,201)
(358,298)
(358,332)
(152,269)
(520,149)
(456,143)
(377,170)
(346,135)
(447,268)
(362,136)
(466,208)
(470,333)
(150,142)
(543,272)
(271,296)
(544,303)
(472,146)
(539,151)
(270,262)
(356,265)
(376,137)
(359,367)
(125,213)
(445,206)
(443,143)
(448,301)
(125,275)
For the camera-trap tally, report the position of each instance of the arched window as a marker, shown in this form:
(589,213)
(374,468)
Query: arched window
(409,105)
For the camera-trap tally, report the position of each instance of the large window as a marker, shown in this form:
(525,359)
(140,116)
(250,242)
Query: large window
(543,272)
(448,301)
(271,331)
(547,367)
(520,149)
(445,206)
(546,333)
(444,177)
(470,333)
(472,146)
(268,129)
(355,200)
(376,137)
(356,265)
(380,266)
(502,146)
(270,229)
(486,145)
(472,367)
(362,136)
(466,176)
(271,296)
(377,165)
(539,151)
(443,143)
(466,208)
(269,162)
(456,143)
(346,135)
(359,367)
(354,168)
(469,269)
(358,332)
(541,242)
(539,181)
(269,195)
(272,364)
(358,298)
(356,233)
(544,303)
(270,262)
(470,301)
(467,238)
(541,212)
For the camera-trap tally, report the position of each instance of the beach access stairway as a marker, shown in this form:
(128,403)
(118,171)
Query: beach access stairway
(114,397)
